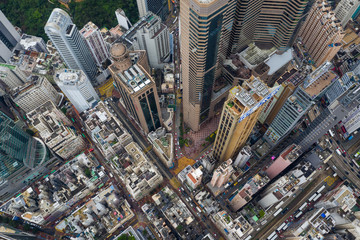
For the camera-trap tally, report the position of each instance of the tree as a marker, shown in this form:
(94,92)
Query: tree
(126,237)
(87,172)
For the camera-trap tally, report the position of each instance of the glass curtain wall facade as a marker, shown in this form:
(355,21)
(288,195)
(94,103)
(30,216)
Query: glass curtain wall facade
(205,32)
(18,149)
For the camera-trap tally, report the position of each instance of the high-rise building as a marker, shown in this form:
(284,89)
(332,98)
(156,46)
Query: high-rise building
(269,23)
(38,90)
(243,156)
(288,156)
(273,106)
(19,153)
(321,33)
(55,130)
(239,115)
(205,28)
(137,89)
(33,43)
(122,19)
(77,88)
(345,10)
(151,35)
(158,7)
(10,77)
(9,38)
(222,174)
(95,42)
(70,44)
(293,109)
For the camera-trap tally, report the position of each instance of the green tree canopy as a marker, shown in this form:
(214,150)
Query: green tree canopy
(32,15)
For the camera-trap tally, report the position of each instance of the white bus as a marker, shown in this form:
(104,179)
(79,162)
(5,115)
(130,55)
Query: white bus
(279,205)
(298,214)
(303,206)
(321,189)
(284,228)
(355,163)
(274,237)
(271,235)
(312,197)
(281,227)
(277,212)
(331,133)
(317,197)
(248,238)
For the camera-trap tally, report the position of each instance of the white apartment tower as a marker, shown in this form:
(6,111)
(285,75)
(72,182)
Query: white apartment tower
(70,44)
(10,77)
(37,90)
(77,88)
(153,36)
(122,19)
(95,42)
(9,38)
(345,10)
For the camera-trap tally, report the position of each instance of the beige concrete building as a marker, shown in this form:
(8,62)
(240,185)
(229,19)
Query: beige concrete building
(54,129)
(239,115)
(222,174)
(321,33)
(269,23)
(205,30)
(137,89)
(37,90)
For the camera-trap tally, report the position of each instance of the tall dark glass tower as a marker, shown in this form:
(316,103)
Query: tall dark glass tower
(18,150)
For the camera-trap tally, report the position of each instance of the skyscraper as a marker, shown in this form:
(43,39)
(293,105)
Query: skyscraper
(321,33)
(10,77)
(238,118)
(345,10)
(77,88)
(269,23)
(293,109)
(137,89)
(153,36)
(37,90)
(95,42)
(70,44)
(18,150)
(158,7)
(205,31)
(9,38)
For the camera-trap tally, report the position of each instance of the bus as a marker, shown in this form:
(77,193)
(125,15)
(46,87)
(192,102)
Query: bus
(271,235)
(303,206)
(298,214)
(281,227)
(279,205)
(312,197)
(317,197)
(356,164)
(331,133)
(248,238)
(277,212)
(321,189)
(357,154)
(285,227)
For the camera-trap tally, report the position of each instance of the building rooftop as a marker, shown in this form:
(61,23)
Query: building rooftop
(88,29)
(70,76)
(134,78)
(319,80)
(253,56)
(277,61)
